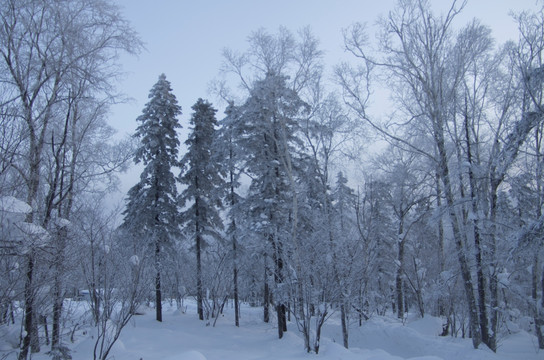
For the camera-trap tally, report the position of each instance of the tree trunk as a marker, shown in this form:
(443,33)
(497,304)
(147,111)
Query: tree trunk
(538,316)
(493,276)
(344,317)
(58,296)
(199,287)
(318,326)
(234,241)
(399,275)
(278,279)
(198,240)
(417,288)
(540,343)
(282,319)
(43,320)
(266,294)
(266,303)
(458,238)
(158,293)
(538,305)
(481,286)
(235,281)
(29,307)
(57,310)
(35,338)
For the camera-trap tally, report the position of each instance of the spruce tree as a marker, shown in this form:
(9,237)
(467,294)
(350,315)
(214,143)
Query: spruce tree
(230,160)
(151,212)
(201,176)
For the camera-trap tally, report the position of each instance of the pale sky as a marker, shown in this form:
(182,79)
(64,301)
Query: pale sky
(184,40)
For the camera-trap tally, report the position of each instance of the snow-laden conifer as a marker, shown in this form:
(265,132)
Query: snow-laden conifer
(151,212)
(201,176)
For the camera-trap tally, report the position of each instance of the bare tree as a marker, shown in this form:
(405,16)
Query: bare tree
(418,52)
(453,88)
(45,47)
(527,55)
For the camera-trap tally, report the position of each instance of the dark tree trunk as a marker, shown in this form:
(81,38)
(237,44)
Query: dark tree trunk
(539,321)
(198,245)
(344,317)
(235,281)
(199,290)
(493,276)
(29,307)
(158,292)
(278,279)
(282,319)
(43,320)
(541,329)
(539,313)
(266,296)
(484,323)
(234,244)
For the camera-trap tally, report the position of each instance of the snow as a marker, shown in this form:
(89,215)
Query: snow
(34,233)
(504,279)
(182,336)
(134,260)
(62,222)
(13,205)
(33,230)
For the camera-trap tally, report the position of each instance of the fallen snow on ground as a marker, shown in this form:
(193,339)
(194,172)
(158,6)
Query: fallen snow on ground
(181,336)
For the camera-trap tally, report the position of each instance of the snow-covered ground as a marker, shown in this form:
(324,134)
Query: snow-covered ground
(184,337)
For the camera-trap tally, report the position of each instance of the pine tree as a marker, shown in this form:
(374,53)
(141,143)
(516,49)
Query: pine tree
(202,177)
(151,212)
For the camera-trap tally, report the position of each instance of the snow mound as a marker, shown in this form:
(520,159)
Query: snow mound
(188,355)
(428,325)
(119,346)
(10,338)
(62,222)
(143,310)
(13,205)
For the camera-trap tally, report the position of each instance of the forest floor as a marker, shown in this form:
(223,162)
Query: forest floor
(181,336)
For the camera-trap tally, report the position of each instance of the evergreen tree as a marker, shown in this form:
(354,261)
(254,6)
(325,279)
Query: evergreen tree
(268,139)
(201,175)
(151,213)
(231,156)
(344,202)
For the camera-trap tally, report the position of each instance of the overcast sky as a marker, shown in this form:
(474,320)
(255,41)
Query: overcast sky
(184,40)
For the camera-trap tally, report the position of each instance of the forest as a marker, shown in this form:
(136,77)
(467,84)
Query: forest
(293,199)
